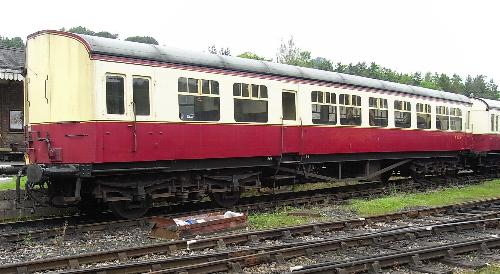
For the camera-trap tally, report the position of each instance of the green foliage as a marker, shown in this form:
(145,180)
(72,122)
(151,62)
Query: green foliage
(15,42)
(401,201)
(12,184)
(86,31)
(251,55)
(143,39)
(492,269)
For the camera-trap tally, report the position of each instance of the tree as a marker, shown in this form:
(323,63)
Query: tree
(251,55)
(223,51)
(86,31)
(143,39)
(322,64)
(289,53)
(15,42)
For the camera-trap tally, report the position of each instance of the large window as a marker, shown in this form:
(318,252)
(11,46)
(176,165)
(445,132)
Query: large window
(402,114)
(423,116)
(455,119)
(378,112)
(442,118)
(324,109)
(141,95)
(350,109)
(250,103)
(115,94)
(198,99)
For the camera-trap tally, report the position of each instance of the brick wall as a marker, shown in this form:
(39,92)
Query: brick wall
(11,98)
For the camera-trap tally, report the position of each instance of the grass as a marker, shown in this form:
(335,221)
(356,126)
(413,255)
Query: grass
(401,201)
(12,184)
(279,218)
(492,269)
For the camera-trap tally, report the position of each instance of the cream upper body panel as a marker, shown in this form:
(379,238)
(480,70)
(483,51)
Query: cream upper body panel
(59,84)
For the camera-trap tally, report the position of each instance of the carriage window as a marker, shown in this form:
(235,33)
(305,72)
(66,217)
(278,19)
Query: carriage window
(442,118)
(141,95)
(198,100)
(324,109)
(492,122)
(378,112)
(402,114)
(496,123)
(423,116)
(288,105)
(250,103)
(115,90)
(350,109)
(455,119)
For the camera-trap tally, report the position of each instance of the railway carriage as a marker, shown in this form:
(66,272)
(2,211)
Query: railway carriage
(125,124)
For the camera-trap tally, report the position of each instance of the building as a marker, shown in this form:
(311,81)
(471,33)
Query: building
(11,103)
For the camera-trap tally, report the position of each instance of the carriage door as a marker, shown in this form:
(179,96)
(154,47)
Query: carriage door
(290,122)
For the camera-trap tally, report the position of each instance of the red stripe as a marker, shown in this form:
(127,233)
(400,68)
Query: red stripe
(97,142)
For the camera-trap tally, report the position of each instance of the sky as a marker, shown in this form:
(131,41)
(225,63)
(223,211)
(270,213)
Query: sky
(445,36)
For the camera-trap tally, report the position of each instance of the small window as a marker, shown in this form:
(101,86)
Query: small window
(199,101)
(182,84)
(442,118)
(250,103)
(324,113)
(402,114)
(16,120)
(455,119)
(193,85)
(141,95)
(288,105)
(378,112)
(423,116)
(115,90)
(350,109)
(496,123)
(492,122)
(237,89)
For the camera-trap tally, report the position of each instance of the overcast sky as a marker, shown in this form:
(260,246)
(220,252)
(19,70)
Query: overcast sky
(450,36)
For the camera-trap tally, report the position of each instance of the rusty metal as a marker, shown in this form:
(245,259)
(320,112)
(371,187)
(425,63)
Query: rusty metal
(212,222)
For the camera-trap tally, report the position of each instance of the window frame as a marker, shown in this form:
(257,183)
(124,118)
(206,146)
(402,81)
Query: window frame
(404,109)
(331,94)
(350,105)
(447,114)
(423,112)
(150,92)
(385,107)
(125,96)
(250,97)
(453,115)
(199,93)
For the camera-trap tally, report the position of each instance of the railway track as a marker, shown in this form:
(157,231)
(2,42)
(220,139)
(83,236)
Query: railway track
(76,225)
(484,214)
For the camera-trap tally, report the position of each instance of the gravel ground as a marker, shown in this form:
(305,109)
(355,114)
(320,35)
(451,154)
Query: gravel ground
(89,242)
(131,237)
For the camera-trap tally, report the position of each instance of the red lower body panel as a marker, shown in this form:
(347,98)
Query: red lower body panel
(101,142)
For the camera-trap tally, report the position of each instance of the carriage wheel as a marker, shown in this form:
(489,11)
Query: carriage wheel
(130,210)
(225,199)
